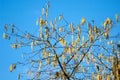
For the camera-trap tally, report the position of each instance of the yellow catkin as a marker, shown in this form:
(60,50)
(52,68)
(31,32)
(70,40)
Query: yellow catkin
(44,53)
(41,22)
(95,29)
(27,36)
(76,69)
(98,77)
(71,27)
(37,22)
(55,21)
(82,21)
(14,45)
(87,59)
(75,56)
(108,77)
(46,13)
(78,28)
(54,57)
(116,17)
(54,63)
(60,29)
(63,58)
(61,41)
(11,68)
(104,24)
(52,26)
(67,50)
(43,11)
(47,61)
(91,38)
(106,35)
(5,36)
(108,20)
(47,34)
(82,39)
(57,75)
(78,38)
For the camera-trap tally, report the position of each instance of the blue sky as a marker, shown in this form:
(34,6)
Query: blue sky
(23,13)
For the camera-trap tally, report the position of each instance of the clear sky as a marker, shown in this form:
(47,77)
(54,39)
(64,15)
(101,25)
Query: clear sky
(23,13)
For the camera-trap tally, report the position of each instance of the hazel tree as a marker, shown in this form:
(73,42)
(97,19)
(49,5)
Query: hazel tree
(65,51)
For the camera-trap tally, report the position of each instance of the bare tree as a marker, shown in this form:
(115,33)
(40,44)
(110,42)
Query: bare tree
(65,51)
